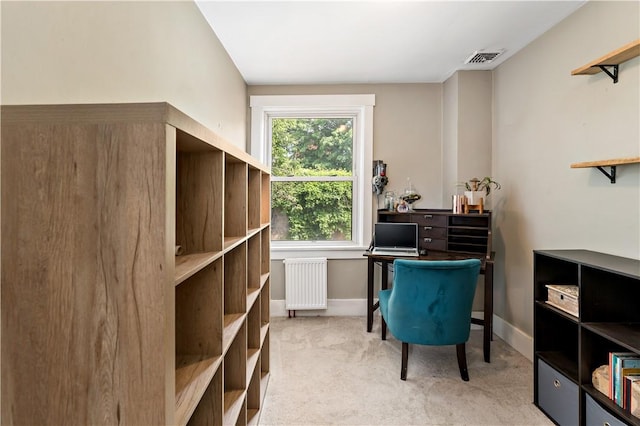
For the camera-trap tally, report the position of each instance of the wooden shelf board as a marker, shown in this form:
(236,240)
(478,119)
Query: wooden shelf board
(252,232)
(252,416)
(189,264)
(252,296)
(233,401)
(253,355)
(232,323)
(193,375)
(600,163)
(231,242)
(263,279)
(616,57)
(623,334)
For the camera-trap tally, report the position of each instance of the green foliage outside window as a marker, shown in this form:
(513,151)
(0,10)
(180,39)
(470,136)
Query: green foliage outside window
(311,210)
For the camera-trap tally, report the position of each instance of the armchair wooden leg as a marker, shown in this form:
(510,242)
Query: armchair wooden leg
(462,361)
(405,359)
(384,328)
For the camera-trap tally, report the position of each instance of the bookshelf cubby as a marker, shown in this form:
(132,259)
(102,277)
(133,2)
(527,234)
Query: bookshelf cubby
(101,197)
(567,349)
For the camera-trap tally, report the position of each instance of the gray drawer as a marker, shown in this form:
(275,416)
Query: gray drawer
(432,232)
(429,219)
(598,416)
(432,244)
(557,395)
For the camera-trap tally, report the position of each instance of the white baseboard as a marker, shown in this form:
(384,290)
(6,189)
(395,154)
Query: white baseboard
(513,336)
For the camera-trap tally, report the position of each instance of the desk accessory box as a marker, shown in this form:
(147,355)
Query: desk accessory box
(563,297)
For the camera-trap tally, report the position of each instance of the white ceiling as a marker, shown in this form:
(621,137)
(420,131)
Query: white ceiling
(317,42)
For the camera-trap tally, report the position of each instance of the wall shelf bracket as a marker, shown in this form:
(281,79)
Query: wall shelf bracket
(612,174)
(613,73)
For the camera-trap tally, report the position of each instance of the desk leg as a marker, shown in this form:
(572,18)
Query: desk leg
(488,310)
(384,286)
(370,307)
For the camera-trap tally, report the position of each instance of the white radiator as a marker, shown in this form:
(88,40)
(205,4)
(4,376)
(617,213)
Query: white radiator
(305,283)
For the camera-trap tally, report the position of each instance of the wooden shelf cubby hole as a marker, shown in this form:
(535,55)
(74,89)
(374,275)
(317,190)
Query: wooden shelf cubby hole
(199,191)
(198,336)
(265,299)
(210,409)
(254,197)
(265,195)
(235,280)
(253,392)
(264,366)
(265,240)
(254,327)
(235,378)
(254,262)
(235,198)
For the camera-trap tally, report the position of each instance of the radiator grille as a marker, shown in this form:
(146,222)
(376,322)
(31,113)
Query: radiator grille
(305,283)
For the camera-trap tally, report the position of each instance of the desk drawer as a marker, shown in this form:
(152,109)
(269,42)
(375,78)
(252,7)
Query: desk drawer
(598,416)
(557,395)
(432,244)
(432,232)
(428,219)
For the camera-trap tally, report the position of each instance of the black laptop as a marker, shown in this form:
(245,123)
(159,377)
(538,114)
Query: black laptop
(395,239)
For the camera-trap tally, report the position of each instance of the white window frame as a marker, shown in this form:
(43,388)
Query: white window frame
(360,107)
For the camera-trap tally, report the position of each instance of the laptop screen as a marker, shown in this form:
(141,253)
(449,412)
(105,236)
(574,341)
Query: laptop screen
(396,235)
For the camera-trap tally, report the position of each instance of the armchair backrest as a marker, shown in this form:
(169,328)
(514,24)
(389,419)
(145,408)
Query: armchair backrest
(431,301)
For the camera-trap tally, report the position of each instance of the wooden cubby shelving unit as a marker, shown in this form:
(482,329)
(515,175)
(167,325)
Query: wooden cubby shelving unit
(612,164)
(568,348)
(101,322)
(610,62)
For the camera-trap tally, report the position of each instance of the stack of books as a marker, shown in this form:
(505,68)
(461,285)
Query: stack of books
(624,381)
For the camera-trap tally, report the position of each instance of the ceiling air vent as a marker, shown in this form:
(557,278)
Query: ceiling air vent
(482,57)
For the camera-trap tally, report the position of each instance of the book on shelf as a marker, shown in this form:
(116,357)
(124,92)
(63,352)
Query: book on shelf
(627,390)
(624,373)
(617,362)
(634,406)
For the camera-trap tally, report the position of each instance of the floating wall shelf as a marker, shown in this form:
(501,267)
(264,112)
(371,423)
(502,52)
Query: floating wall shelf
(604,163)
(609,62)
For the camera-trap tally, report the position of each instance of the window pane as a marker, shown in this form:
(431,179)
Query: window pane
(311,211)
(311,146)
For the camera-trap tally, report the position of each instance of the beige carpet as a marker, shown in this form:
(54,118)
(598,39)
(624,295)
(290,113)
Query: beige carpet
(330,371)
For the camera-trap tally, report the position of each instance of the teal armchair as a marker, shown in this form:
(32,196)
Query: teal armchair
(430,304)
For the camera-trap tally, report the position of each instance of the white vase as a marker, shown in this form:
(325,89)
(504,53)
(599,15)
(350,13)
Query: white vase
(474,197)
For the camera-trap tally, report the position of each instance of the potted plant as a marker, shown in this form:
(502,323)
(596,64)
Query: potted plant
(477,189)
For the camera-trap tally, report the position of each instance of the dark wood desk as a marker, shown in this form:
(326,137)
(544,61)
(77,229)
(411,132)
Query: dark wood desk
(486,269)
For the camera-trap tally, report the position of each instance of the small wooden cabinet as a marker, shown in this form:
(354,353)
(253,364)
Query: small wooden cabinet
(442,230)
(102,321)
(568,348)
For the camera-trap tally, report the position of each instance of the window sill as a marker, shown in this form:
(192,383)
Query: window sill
(281,253)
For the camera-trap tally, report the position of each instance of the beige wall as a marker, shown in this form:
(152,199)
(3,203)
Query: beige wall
(544,120)
(88,52)
(466,142)
(407,136)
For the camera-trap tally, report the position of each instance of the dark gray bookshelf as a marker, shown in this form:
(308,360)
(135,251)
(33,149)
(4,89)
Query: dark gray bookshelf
(567,349)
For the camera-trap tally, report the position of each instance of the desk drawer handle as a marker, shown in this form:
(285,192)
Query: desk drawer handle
(428,216)
(556,383)
(428,228)
(427,240)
